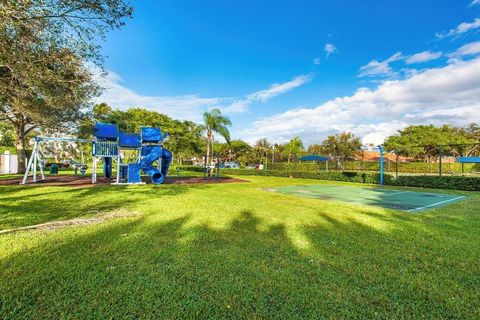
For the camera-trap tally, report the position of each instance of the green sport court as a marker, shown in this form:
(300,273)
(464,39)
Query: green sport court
(409,201)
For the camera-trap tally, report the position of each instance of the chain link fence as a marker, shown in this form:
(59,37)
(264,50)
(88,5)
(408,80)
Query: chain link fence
(453,159)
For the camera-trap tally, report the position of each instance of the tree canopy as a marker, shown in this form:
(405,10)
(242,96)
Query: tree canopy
(44,47)
(344,144)
(294,147)
(214,121)
(423,141)
(184,137)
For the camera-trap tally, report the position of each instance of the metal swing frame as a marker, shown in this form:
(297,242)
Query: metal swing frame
(35,159)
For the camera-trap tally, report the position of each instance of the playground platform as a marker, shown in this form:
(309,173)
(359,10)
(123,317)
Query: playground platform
(410,201)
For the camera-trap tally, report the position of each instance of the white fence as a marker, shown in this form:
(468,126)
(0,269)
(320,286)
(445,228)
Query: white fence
(8,163)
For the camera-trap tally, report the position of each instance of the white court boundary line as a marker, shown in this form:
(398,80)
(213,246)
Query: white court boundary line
(436,204)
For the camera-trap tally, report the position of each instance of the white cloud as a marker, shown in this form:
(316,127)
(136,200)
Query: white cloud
(240,105)
(188,107)
(280,88)
(462,28)
(316,61)
(450,94)
(424,56)
(474,2)
(329,49)
(380,68)
(469,49)
(408,72)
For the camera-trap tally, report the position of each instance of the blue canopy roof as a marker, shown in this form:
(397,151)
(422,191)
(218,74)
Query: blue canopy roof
(468,159)
(313,157)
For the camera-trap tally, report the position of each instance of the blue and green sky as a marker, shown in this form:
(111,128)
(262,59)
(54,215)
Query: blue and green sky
(307,68)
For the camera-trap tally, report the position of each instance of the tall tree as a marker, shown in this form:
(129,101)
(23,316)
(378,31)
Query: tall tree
(472,134)
(214,121)
(294,147)
(422,141)
(344,144)
(7,134)
(184,137)
(278,152)
(237,150)
(57,100)
(102,112)
(262,148)
(43,49)
(315,149)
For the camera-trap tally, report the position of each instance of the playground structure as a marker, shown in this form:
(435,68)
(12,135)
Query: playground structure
(110,145)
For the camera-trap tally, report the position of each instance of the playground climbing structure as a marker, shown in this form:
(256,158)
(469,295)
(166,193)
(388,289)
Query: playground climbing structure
(111,145)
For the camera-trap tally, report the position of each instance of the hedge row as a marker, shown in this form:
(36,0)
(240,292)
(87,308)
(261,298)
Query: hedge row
(390,166)
(346,176)
(358,177)
(437,182)
(296,166)
(434,182)
(190,168)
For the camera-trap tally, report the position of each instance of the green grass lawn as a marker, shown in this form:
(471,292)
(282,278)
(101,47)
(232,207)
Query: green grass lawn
(10,176)
(234,251)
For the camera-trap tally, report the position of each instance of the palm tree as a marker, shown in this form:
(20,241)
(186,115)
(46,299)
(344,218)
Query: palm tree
(215,122)
(262,146)
(294,147)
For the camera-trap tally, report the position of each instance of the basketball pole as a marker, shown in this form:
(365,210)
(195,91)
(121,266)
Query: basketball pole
(381,166)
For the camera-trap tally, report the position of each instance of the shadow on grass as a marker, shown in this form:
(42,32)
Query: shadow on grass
(178,269)
(23,207)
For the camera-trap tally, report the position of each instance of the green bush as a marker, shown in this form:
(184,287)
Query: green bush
(191,168)
(9,149)
(359,177)
(390,166)
(296,166)
(437,182)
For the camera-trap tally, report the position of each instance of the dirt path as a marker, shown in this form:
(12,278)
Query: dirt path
(77,181)
(73,222)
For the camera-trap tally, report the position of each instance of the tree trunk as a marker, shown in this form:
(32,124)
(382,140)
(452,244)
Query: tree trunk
(20,144)
(209,138)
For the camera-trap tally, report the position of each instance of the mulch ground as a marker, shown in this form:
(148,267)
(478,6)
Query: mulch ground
(77,181)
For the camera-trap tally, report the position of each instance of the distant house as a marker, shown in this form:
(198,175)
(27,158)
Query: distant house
(375,156)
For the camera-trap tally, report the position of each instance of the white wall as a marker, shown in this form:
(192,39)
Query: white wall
(8,163)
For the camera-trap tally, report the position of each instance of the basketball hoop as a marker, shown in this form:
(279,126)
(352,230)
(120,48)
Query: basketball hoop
(373,140)
(370,148)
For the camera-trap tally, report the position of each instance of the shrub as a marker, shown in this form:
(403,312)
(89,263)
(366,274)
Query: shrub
(296,166)
(190,168)
(390,166)
(359,177)
(9,149)
(437,182)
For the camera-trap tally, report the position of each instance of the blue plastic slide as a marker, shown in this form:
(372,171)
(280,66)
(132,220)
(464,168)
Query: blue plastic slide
(150,155)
